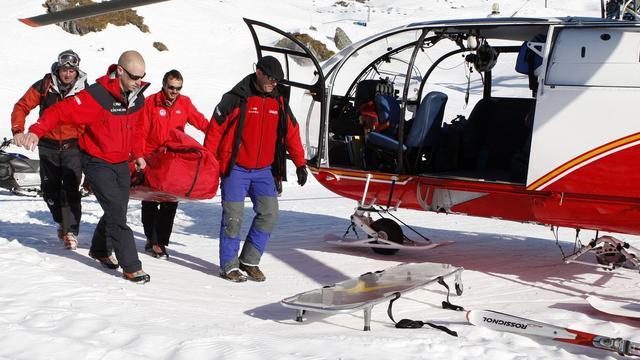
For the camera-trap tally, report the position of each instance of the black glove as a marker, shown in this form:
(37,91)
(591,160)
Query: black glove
(301,172)
(278,186)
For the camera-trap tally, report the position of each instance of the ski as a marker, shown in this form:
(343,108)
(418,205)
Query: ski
(85,11)
(618,308)
(508,323)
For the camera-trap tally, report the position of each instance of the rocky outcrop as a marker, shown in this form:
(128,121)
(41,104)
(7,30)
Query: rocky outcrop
(317,48)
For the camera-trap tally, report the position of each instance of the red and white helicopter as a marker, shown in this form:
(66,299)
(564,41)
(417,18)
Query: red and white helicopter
(382,124)
(563,152)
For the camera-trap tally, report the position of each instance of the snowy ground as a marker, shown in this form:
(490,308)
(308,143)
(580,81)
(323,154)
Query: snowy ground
(58,304)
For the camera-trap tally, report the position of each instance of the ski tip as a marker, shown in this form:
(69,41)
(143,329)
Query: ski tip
(29,22)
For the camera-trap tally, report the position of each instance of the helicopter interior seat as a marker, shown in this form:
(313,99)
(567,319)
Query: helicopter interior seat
(498,130)
(422,135)
(367,89)
(368,117)
(529,61)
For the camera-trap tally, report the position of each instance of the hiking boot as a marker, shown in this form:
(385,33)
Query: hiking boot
(157,251)
(234,275)
(108,261)
(138,277)
(70,241)
(253,272)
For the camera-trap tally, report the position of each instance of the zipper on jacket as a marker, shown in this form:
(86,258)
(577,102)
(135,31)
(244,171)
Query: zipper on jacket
(264,100)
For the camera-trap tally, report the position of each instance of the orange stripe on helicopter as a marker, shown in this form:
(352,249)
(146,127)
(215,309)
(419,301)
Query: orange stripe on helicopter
(363,176)
(581,159)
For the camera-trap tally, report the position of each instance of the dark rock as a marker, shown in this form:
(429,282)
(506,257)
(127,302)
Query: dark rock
(160,46)
(341,39)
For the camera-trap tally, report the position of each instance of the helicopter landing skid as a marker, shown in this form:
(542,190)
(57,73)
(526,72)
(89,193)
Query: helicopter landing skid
(384,236)
(610,253)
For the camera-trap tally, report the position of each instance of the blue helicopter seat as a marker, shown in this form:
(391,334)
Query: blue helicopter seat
(424,129)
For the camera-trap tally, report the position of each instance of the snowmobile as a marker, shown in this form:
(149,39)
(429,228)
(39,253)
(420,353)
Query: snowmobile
(18,174)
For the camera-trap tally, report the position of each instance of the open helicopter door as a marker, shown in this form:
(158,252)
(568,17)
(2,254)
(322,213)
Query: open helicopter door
(304,81)
(585,136)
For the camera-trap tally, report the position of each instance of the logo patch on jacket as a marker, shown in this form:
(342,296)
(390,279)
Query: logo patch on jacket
(162,112)
(253,110)
(117,107)
(273,112)
(77,100)
(178,112)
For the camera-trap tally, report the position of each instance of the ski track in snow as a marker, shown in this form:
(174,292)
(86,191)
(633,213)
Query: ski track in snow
(58,304)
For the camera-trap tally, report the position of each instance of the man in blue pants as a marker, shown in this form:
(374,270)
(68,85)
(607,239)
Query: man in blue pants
(250,131)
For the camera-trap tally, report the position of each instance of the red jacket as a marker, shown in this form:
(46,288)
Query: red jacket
(251,119)
(159,118)
(110,120)
(44,93)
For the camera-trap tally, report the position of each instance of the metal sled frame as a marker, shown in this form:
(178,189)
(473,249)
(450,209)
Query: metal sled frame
(369,289)
(631,253)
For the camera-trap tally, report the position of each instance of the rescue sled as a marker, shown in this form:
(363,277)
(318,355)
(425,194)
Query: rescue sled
(369,289)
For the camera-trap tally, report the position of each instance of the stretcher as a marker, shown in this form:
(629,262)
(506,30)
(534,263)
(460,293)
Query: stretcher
(369,289)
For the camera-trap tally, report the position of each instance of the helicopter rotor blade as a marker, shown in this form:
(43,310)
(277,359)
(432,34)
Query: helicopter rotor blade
(85,11)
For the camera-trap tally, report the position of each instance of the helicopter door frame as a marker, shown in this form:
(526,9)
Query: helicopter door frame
(566,102)
(318,90)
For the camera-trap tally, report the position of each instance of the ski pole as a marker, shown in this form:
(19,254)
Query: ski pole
(508,323)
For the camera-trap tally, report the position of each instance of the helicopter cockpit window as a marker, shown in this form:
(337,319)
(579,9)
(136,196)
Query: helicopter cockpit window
(463,109)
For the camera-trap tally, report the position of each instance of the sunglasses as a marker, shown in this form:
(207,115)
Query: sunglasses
(133,77)
(68,60)
(176,88)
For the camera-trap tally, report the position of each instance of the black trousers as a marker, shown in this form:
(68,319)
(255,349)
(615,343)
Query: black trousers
(60,176)
(110,184)
(157,218)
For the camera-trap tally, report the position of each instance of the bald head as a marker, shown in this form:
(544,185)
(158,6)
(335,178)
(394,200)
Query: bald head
(131,70)
(131,58)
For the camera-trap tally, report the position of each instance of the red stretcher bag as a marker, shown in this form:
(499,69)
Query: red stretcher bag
(181,169)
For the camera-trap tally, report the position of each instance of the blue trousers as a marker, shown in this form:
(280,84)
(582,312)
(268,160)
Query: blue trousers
(259,185)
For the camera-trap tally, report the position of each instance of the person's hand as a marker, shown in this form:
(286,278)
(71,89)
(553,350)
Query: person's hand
(18,138)
(301,172)
(140,164)
(28,141)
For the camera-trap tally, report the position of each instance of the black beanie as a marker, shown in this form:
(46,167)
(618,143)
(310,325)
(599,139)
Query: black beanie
(270,66)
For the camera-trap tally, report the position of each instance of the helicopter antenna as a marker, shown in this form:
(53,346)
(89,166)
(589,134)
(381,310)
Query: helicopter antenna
(520,8)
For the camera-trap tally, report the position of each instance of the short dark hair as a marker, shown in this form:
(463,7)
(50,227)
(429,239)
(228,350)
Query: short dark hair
(174,74)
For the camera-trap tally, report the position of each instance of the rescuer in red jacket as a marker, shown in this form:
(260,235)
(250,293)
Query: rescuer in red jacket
(110,109)
(250,131)
(164,111)
(60,158)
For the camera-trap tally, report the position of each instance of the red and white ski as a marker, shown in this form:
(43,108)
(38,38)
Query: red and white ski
(508,323)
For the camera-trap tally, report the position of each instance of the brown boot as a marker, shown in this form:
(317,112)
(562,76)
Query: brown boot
(70,241)
(138,277)
(108,261)
(253,272)
(234,275)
